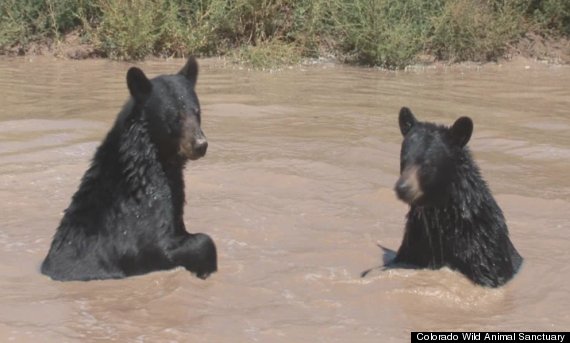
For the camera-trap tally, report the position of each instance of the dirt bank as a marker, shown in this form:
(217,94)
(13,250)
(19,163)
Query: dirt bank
(532,48)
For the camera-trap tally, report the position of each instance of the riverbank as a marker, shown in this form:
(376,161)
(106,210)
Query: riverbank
(268,34)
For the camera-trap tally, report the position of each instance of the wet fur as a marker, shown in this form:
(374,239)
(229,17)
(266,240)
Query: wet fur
(127,216)
(457,224)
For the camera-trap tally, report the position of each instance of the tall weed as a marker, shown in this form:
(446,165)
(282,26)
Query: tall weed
(472,30)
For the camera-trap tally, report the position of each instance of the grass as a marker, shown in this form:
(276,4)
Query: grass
(265,33)
(267,54)
(475,31)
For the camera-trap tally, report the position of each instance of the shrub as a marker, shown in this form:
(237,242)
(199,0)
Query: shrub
(472,30)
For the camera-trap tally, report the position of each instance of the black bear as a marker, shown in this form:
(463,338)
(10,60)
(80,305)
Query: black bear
(126,218)
(453,220)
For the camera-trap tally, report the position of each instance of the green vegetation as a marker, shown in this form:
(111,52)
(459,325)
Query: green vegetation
(389,33)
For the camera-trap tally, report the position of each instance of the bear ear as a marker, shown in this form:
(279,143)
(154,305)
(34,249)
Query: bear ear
(461,131)
(190,70)
(406,120)
(139,85)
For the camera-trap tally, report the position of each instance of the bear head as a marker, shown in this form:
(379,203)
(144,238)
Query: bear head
(429,158)
(170,106)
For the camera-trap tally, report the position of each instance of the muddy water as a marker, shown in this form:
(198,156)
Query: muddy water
(296,191)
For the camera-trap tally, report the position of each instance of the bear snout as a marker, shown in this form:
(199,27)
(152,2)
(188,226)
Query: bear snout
(403,191)
(408,186)
(194,148)
(200,147)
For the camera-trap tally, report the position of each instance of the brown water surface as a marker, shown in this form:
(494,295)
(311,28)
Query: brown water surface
(296,189)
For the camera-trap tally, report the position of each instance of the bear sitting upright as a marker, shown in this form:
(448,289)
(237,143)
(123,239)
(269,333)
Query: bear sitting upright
(453,220)
(126,218)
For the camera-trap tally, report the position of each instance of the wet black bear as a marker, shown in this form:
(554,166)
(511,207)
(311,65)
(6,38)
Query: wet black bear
(453,220)
(126,218)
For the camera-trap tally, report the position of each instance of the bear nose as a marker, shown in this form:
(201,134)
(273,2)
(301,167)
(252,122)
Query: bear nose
(403,189)
(201,147)
(408,188)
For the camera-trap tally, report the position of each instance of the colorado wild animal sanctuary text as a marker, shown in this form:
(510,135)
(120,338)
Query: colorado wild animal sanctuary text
(489,336)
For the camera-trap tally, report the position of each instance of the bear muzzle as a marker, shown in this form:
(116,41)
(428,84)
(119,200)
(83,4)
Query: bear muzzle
(195,148)
(408,186)
(199,148)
